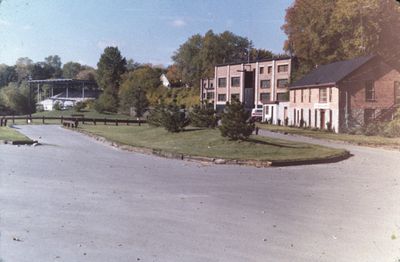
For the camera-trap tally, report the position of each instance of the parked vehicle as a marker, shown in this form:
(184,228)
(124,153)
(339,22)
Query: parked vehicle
(256,114)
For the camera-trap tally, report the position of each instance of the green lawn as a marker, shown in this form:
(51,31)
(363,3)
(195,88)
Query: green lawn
(9,134)
(374,141)
(209,143)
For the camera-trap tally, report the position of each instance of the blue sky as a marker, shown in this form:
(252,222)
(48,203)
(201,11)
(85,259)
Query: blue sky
(146,30)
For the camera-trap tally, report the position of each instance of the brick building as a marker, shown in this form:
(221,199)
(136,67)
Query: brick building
(345,94)
(255,83)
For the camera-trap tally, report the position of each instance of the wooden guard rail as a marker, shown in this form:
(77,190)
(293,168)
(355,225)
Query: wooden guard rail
(106,121)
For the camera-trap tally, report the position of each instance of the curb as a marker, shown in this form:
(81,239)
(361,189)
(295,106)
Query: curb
(217,161)
(18,142)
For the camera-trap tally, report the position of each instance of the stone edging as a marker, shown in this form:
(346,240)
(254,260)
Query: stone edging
(219,161)
(18,142)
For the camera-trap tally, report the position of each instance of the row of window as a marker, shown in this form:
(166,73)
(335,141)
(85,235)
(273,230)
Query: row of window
(235,82)
(281,69)
(325,95)
(264,97)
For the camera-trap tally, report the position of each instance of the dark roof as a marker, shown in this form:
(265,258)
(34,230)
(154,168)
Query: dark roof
(254,61)
(62,81)
(331,73)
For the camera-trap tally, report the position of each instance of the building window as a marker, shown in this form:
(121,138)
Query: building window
(309,95)
(269,69)
(302,95)
(282,83)
(309,117)
(235,81)
(294,96)
(261,70)
(211,86)
(283,68)
(235,96)
(265,97)
(322,95)
(370,91)
(222,97)
(369,115)
(330,94)
(281,97)
(210,95)
(397,92)
(265,83)
(222,82)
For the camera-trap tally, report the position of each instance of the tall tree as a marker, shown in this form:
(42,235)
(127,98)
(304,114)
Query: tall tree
(7,74)
(71,69)
(53,64)
(23,67)
(110,68)
(197,57)
(321,31)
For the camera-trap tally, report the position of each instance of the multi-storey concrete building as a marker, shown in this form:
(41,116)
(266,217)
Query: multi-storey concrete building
(255,83)
(345,94)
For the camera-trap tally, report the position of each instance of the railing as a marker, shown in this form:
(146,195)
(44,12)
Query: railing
(387,114)
(7,119)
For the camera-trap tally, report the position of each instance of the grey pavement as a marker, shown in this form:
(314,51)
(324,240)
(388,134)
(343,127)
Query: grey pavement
(75,199)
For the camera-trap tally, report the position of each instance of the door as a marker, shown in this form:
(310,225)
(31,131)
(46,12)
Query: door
(249,87)
(322,119)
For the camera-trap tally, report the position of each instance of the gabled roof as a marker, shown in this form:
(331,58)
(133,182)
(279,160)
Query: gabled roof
(331,74)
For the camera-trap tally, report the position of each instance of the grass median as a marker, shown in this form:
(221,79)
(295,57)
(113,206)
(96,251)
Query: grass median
(209,143)
(10,134)
(372,141)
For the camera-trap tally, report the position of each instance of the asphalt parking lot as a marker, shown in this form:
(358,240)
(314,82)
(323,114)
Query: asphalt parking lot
(75,199)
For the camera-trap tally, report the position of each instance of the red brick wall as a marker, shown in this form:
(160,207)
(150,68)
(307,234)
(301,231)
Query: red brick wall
(383,76)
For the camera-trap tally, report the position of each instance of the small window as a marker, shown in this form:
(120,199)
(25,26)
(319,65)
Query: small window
(267,110)
(369,115)
(309,95)
(330,94)
(235,81)
(282,97)
(265,83)
(211,85)
(210,95)
(222,97)
(269,69)
(370,91)
(282,83)
(322,95)
(265,97)
(294,96)
(235,96)
(261,70)
(222,82)
(283,68)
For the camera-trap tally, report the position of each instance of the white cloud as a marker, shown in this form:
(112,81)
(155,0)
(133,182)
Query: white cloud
(178,23)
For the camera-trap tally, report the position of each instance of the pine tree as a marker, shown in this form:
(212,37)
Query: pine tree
(174,118)
(203,116)
(235,122)
(155,116)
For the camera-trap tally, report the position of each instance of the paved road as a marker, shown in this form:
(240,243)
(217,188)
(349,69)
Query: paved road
(74,199)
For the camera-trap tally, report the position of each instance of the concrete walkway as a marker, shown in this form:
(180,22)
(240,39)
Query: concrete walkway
(74,199)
